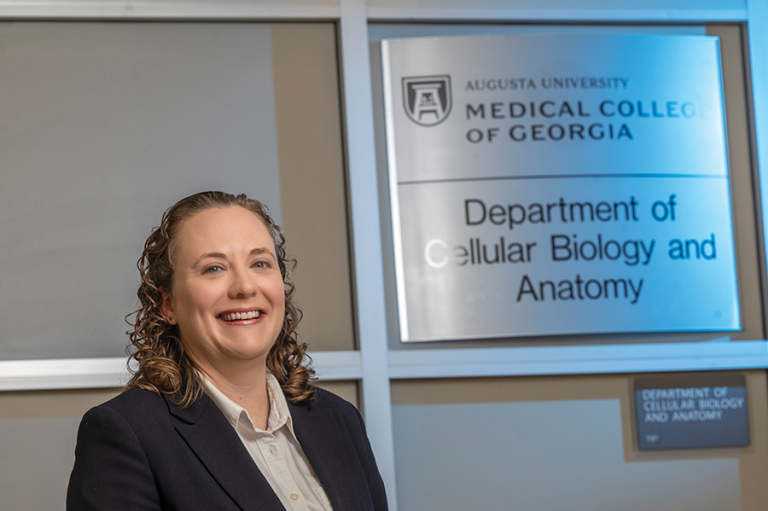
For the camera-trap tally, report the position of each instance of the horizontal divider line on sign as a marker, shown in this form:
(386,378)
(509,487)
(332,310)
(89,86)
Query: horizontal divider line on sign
(560,176)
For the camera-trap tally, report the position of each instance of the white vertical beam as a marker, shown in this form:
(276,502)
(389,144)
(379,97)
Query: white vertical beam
(366,237)
(757,26)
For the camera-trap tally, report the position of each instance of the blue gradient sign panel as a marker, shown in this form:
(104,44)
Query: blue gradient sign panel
(548,185)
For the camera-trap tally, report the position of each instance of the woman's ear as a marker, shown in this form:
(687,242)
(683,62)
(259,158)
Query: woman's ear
(166,307)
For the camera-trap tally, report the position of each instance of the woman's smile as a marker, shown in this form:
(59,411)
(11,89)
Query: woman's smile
(240,317)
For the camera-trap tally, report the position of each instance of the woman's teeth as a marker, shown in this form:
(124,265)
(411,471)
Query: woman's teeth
(234,316)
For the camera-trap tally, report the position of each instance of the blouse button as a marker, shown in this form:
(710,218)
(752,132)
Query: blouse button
(294,496)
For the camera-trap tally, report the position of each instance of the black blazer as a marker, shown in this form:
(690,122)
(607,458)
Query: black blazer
(138,451)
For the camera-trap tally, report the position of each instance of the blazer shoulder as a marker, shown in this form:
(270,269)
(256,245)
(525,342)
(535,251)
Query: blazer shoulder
(328,402)
(134,404)
(325,399)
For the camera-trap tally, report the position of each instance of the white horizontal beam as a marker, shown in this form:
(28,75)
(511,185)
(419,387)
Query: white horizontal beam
(85,373)
(380,14)
(151,10)
(715,355)
(529,361)
(277,10)
(337,365)
(74,373)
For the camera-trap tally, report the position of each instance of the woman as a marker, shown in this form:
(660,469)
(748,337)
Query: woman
(220,413)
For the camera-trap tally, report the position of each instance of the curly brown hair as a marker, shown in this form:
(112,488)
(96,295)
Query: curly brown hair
(163,366)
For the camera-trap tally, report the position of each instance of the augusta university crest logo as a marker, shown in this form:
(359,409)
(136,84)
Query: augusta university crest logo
(427,99)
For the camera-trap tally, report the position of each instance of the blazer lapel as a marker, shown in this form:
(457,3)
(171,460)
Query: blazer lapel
(324,444)
(218,447)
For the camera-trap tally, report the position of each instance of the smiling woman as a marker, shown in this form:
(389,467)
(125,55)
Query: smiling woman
(221,412)
(227,296)
(179,265)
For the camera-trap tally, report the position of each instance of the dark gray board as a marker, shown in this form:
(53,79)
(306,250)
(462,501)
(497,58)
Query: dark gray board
(689,412)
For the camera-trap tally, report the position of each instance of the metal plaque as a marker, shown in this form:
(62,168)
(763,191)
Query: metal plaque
(548,185)
(691,412)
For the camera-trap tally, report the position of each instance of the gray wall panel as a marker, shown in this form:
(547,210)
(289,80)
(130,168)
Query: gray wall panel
(553,455)
(36,458)
(104,126)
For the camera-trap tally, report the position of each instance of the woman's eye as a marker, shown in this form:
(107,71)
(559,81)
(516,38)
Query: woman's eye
(262,265)
(212,269)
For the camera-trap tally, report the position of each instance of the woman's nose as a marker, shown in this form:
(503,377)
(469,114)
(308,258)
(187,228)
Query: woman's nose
(243,284)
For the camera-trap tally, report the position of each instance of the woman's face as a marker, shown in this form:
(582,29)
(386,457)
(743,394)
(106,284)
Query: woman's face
(227,297)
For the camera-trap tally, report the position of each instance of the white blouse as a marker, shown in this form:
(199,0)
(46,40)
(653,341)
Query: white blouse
(275,451)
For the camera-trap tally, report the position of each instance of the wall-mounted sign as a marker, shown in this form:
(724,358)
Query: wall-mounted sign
(691,412)
(558,185)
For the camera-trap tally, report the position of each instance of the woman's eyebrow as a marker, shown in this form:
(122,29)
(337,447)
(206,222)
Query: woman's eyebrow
(218,255)
(259,251)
